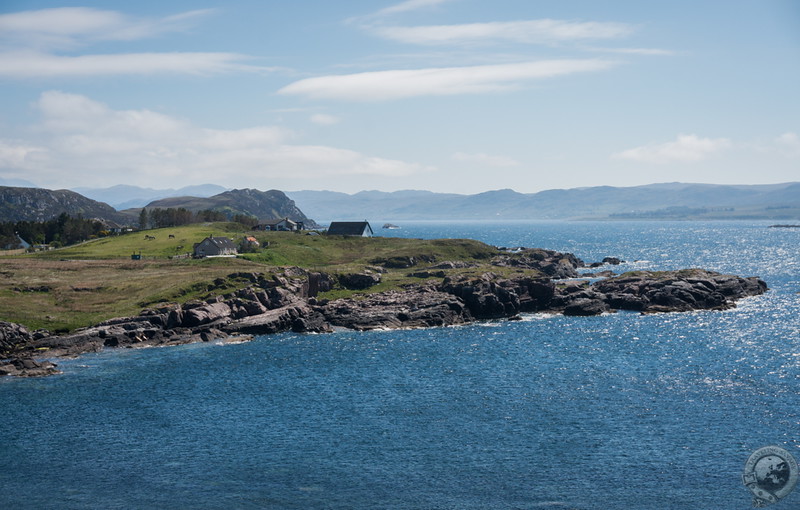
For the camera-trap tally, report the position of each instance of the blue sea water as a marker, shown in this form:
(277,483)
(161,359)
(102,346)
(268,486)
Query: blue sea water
(617,411)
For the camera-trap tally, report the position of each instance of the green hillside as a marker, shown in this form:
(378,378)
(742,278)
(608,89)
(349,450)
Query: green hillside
(72,287)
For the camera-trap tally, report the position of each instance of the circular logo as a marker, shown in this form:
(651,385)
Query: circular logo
(771,474)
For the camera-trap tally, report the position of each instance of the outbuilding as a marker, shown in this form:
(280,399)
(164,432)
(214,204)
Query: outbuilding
(350,228)
(215,247)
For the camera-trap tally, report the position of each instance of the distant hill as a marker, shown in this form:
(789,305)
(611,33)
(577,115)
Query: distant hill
(38,204)
(653,201)
(17,183)
(124,196)
(263,205)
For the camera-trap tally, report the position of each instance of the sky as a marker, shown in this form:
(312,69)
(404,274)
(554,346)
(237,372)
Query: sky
(458,96)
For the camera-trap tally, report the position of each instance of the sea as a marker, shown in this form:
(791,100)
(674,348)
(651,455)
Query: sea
(618,411)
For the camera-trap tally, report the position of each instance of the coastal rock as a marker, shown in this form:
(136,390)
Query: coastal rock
(677,291)
(210,312)
(551,263)
(359,281)
(298,317)
(417,307)
(28,367)
(427,274)
(13,338)
(280,297)
(318,282)
(585,307)
(491,297)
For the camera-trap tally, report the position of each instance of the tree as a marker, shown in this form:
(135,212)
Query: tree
(143,219)
(246,220)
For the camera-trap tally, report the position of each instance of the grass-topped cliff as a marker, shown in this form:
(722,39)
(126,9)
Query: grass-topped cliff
(73,287)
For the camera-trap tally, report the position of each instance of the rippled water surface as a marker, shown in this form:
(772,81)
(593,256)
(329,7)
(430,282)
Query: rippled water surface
(616,411)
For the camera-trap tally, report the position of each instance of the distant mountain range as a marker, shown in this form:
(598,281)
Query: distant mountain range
(123,196)
(653,201)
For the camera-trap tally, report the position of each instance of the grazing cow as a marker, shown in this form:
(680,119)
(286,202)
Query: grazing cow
(171,236)
(149,237)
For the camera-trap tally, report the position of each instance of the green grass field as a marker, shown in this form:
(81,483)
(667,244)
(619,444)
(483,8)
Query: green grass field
(77,286)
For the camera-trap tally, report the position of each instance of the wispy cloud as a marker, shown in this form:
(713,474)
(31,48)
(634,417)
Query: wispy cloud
(36,43)
(789,143)
(540,31)
(323,119)
(407,6)
(634,51)
(410,5)
(442,81)
(18,153)
(483,159)
(69,27)
(31,64)
(80,136)
(685,148)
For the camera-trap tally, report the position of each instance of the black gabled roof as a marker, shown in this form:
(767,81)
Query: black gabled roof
(220,242)
(349,228)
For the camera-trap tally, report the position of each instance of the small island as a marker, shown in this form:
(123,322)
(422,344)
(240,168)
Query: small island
(93,296)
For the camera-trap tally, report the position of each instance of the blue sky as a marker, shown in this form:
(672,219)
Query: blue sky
(458,96)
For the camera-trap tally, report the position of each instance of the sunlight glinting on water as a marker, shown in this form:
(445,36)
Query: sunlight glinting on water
(473,416)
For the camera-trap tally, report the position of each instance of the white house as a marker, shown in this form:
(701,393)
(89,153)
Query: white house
(214,247)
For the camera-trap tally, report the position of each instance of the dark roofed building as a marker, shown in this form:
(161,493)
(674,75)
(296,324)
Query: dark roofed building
(350,228)
(214,247)
(282,224)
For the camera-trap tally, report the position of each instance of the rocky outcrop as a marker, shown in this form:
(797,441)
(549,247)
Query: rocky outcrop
(359,281)
(28,367)
(286,302)
(37,204)
(299,317)
(13,337)
(491,297)
(15,349)
(404,261)
(677,291)
(416,307)
(548,262)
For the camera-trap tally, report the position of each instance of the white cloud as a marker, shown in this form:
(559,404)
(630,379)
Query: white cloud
(324,119)
(32,45)
(443,81)
(69,27)
(16,153)
(410,5)
(634,51)
(36,65)
(686,148)
(406,6)
(485,159)
(84,142)
(789,143)
(540,31)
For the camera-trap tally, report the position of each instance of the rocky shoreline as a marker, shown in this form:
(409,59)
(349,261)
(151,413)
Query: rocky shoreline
(443,297)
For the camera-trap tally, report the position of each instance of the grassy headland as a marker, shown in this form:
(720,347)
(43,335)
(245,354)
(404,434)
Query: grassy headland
(77,286)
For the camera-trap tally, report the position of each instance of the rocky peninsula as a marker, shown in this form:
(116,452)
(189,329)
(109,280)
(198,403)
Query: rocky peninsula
(436,293)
